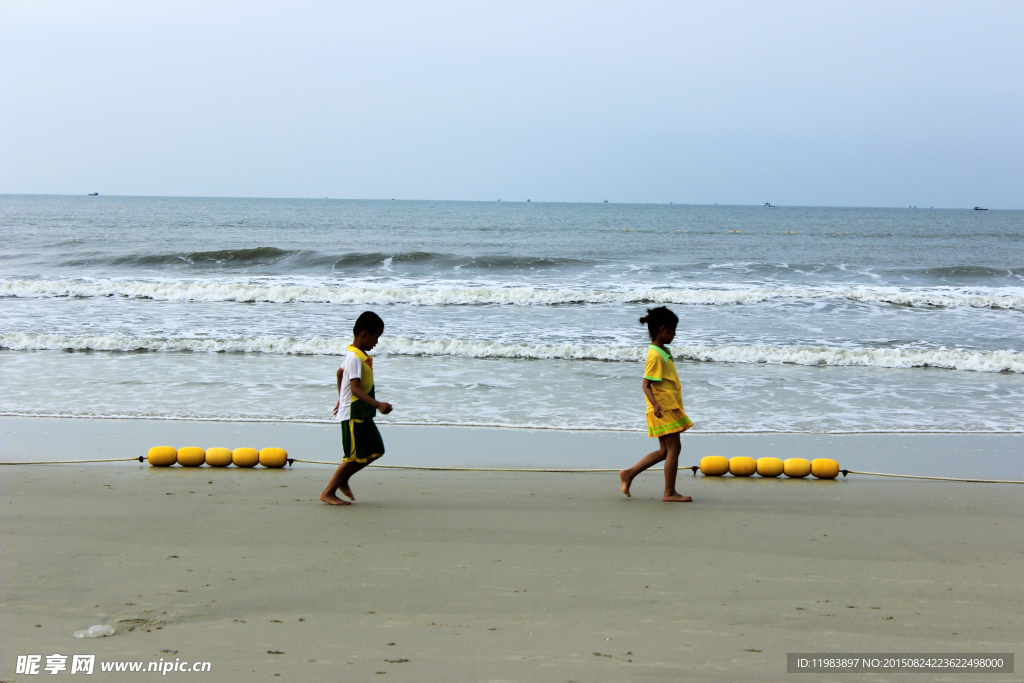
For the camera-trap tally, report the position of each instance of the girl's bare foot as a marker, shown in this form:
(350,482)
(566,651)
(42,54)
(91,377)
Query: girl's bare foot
(346,490)
(332,499)
(676,498)
(625,480)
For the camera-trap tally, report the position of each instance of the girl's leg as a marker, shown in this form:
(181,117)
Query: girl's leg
(340,481)
(671,444)
(626,476)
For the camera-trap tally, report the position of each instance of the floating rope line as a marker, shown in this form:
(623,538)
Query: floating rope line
(693,468)
(464,469)
(915,476)
(72,462)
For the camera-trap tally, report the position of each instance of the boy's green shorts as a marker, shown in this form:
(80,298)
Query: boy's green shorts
(360,440)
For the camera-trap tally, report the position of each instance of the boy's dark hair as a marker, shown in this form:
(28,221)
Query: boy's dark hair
(658,317)
(367,321)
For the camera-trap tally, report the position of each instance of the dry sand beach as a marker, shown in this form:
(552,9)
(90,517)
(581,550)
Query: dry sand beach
(500,576)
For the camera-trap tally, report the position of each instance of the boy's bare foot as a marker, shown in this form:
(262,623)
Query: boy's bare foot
(625,480)
(346,490)
(332,499)
(676,498)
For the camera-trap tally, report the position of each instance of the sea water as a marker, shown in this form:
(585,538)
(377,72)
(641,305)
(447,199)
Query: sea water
(513,314)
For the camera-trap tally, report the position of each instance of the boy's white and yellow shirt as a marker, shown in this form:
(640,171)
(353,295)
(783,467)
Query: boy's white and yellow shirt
(661,371)
(366,369)
(357,364)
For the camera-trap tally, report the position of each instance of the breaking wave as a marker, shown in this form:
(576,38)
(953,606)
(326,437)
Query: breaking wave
(250,256)
(291,292)
(953,359)
(963,272)
(302,259)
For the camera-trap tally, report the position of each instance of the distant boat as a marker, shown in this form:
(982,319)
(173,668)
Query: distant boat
(769,205)
(94,194)
(978,208)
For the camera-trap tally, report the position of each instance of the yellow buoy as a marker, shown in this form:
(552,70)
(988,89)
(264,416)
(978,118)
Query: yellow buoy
(218,457)
(822,468)
(245,457)
(714,465)
(796,468)
(742,466)
(162,456)
(769,467)
(273,457)
(191,457)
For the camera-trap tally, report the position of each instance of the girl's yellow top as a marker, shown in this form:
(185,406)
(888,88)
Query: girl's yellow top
(661,370)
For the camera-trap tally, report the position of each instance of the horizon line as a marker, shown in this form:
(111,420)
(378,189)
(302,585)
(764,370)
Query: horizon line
(509,201)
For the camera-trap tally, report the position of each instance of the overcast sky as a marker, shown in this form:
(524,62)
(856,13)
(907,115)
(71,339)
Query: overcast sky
(810,103)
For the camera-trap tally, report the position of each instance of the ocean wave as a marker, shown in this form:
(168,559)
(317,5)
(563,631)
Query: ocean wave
(247,256)
(291,292)
(302,259)
(698,430)
(953,359)
(484,262)
(962,272)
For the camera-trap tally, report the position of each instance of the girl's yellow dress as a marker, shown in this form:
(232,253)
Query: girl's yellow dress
(661,370)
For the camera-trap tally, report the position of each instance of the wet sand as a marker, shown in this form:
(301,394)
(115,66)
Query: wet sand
(512,577)
(981,456)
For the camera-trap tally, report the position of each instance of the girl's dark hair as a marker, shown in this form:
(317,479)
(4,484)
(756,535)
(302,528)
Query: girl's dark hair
(658,317)
(368,322)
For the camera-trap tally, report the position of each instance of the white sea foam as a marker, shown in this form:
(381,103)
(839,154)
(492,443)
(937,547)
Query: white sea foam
(290,292)
(955,359)
(697,431)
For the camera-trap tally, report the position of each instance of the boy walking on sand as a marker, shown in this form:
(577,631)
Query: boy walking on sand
(357,405)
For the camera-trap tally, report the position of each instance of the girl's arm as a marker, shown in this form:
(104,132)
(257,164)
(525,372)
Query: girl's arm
(649,393)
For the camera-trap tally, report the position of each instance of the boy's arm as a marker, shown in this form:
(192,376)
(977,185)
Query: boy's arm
(357,391)
(337,404)
(649,393)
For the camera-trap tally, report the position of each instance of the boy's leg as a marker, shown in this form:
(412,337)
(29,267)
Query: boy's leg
(626,476)
(340,481)
(347,473)
(354,435)
(671,467)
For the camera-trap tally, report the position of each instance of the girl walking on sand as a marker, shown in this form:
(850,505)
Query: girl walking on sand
(665,417)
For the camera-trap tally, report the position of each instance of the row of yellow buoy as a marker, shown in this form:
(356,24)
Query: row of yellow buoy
(165,456)
(797,468)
